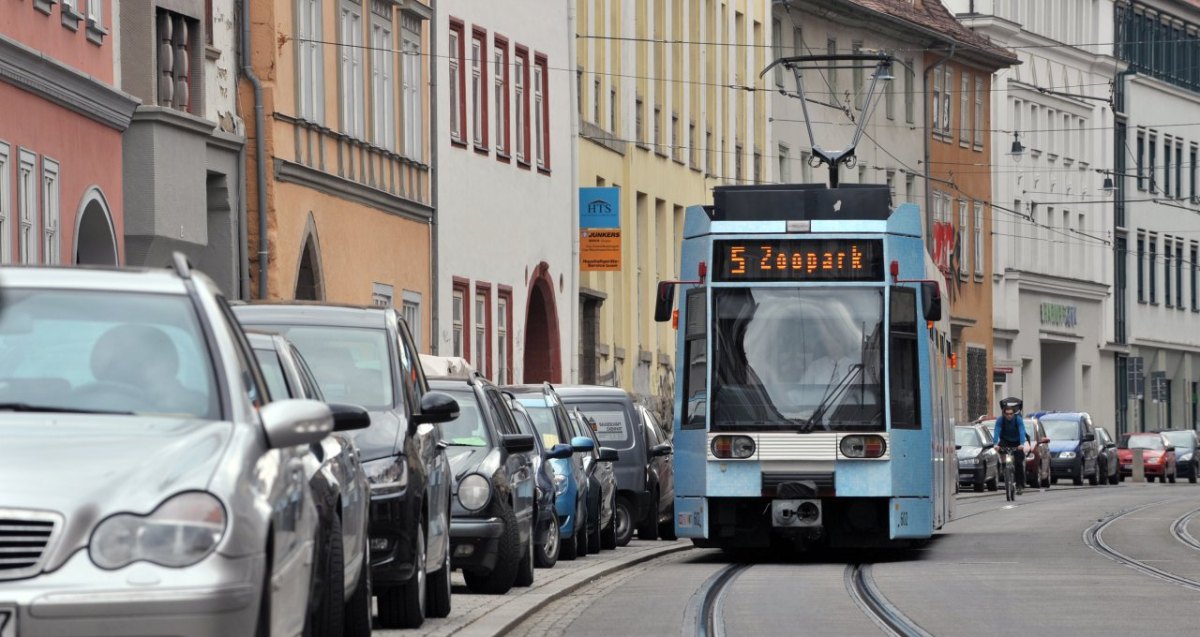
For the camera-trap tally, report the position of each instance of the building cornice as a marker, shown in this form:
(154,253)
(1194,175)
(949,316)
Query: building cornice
(1017,88)
(35,72)
(1157,344)
(1072,288)
(151,114)
(601,137)
(333,185)
(1155,84)
(227,141)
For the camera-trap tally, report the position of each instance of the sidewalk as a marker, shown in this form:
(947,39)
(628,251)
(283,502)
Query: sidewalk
(487,615)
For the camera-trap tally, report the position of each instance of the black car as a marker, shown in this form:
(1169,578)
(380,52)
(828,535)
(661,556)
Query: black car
(1186,442)
(602,492)
(1109,466)
(340,600)
(365,356)
(545,519)
(491,523)
(978,462)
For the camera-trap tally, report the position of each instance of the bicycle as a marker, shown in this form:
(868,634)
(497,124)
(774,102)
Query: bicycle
(1010,479)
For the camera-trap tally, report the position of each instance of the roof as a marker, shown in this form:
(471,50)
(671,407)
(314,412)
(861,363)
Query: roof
(301,313)
(451,366)
(151,280)
(598,391)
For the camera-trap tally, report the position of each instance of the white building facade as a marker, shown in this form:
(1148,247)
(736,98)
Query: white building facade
(505,266)
(1057,333)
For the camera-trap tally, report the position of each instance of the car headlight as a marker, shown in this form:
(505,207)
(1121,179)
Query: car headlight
(1187,457)
(1153,460)
(387,475)
(968,462)
(560,484)
(1067,455)
(474,492)
(183,530)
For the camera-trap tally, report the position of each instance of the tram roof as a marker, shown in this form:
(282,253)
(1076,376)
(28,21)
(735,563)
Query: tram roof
(800,202)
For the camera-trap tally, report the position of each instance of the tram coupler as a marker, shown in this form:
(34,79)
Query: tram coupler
(796,513)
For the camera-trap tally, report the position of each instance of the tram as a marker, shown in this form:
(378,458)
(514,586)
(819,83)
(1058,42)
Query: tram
(812,376)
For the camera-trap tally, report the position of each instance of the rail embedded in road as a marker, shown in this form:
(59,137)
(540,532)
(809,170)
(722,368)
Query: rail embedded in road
(1094,538)
(866,596)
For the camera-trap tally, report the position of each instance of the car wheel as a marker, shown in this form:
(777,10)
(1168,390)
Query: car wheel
(568,548)
(403,606)
(1192,475)
(648,526)
(1115,478)
(525,570)
(1095,477)
(326,618)
(438,604)
(358,609)
(608,535)
(624,516)
(263,623)
(1046,481)
(1172,477)
(581,543)
(666,528)
(508,560)
(978,486)
(994,483)
(1077,479)
(545,555)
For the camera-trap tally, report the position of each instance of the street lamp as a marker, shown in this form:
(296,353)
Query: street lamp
(1017,148)
(1108,186)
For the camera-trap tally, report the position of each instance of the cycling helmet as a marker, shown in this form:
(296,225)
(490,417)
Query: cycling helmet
(1015,404)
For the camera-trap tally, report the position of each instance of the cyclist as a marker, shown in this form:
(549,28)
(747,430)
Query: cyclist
(1009,434)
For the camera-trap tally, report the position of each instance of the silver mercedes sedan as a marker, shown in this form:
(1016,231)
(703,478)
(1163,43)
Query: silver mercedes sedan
(148,486)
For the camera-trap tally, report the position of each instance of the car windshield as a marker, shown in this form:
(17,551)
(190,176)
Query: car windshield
(272,369)
(351,364)
(798,358)
(104,351)
(966,437)
(1181,439)
(1061,429)
(543,420)
(469,429)
(1153,443)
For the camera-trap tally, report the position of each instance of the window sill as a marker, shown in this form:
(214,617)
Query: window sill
(642,145)
(458,142)
(696,169)
(660,153)
(95,32)
(503,156)
(1141,302)
(543,170)
(71,19)
(211,53)
(679,161)
(45,6)
(482,150)
(978,148)
(521,163)
(963,143)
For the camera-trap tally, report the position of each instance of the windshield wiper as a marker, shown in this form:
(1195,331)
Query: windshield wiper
(835,391)
(26,407)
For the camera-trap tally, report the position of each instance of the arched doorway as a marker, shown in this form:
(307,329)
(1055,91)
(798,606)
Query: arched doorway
(309,282)
(95,239)
(543,360)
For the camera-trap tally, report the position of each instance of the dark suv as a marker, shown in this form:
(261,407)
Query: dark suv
(365,356)
(491,522)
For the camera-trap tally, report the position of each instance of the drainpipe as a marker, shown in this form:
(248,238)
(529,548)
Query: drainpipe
(433,186)
(243,222)
(573,267)
(925,140)
(259,161)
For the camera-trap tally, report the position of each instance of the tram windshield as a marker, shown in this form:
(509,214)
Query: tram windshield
(805,359)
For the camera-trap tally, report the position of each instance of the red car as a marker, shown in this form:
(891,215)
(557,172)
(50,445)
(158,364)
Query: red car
(1158,455)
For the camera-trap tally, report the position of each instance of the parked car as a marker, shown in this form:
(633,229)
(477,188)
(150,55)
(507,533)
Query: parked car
(365,356)
(1037,461)
(660,472)
(491,523)
(978,462)
(158,480)
(1109,462)
(1074,451)
(340,602)
(545,518)
(602,502)
(642,498)
(1158,455)
(571,480)
(1185,442)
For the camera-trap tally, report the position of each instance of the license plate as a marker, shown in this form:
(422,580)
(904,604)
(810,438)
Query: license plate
(8,621)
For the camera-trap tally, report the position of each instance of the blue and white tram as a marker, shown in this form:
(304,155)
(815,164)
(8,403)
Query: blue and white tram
(811,402)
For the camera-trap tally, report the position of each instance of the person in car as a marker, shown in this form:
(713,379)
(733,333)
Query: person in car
(1009,432)
(144,359)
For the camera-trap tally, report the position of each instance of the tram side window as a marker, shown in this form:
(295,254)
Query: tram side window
(694,353)
(904,390)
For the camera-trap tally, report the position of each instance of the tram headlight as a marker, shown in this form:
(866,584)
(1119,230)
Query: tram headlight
(863,446)
(733,447)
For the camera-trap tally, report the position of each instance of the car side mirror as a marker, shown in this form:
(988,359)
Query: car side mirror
(931,300)
(295,421)
(1089,437)
(660,450)
(608,454)
(1110,445)
(582,443)
(517,443)
(436,407)
(664,301)
(348,417)
(1170,447)
(1044,441)
(559,452)
(988,445)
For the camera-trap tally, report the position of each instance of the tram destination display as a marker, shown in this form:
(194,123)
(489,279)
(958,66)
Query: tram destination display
(798,260)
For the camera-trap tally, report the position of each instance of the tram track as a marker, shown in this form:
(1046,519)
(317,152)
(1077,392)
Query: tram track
(1093,536)
(1179,529)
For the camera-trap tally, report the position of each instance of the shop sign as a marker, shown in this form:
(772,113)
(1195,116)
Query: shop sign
(1061,315)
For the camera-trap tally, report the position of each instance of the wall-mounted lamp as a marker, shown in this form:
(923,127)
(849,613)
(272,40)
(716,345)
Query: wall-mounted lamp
(1017,148)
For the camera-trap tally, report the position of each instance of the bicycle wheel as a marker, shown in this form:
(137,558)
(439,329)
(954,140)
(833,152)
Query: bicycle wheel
(1010,489)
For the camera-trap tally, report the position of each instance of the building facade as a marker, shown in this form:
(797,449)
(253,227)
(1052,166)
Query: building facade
(182,153)
(505,264)
(670,105)
(61,195)
(340,201)
(1056,336)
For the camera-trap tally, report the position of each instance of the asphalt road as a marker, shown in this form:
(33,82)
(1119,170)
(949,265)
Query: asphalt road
(1112,560)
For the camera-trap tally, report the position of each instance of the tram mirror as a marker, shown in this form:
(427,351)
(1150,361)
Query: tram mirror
(665,301)
(931,300)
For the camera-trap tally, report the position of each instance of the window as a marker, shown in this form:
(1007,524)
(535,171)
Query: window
(596,100)
(383,95)
(95,12)
(541,104)
(947,104)
(910,81)
(777,48)
(1192,158)
(521,103)
(978,230)
(1178,275)
(889,99)
(410,46)
(978,113)
(27,191)
(1141,268)
(479,97)
(458,313)
(177,67)
(1153,267)
(639,125)
(5,210)
(483,312)
(612,109)
(695,375)
(1152,165)
(937,101)
(1195,261)
(904,360)
(500,72)
(382,294)
(964,107)
(503,335)
(692,145)
(310,76)
(675,145)
(1141,155)
(657,129)
(50,190)
(353,106)
(458,104)
(785,172)
(1167,243)
(856,75)
(831,74)
(1178,168)
(737,160)
(1167,166)
(964,259)
(412,315)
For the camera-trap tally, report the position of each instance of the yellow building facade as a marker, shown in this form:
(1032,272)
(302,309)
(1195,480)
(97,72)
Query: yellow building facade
(670,106)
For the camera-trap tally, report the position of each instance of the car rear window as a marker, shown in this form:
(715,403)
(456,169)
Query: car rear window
(613,427)
(543,421)
(272,369)
(352,364)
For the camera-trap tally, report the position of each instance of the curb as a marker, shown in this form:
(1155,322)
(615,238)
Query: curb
(507,617)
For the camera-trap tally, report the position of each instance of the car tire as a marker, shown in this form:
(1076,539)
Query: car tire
(1077,479)
(1192,475)
(624,520)
(978,486)
(1171,478)
(525,570)
(608,535)
(403,606)
(1095,477)
(994,483)
(263,622)
(545,555)
(1046,481)
(358,610)
(1116,476)
(666,528)
(568,548)
(648,526)
(508,560)
(581,543)
(438,602)
(327,619)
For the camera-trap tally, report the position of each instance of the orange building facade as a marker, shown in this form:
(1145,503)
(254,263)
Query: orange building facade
(346,166)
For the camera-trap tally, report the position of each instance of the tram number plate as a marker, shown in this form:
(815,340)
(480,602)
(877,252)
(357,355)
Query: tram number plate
(8,621)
